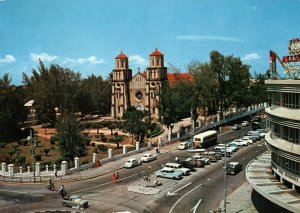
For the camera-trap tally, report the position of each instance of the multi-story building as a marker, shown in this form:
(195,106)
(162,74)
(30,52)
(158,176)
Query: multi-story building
(283,119)
(144,90)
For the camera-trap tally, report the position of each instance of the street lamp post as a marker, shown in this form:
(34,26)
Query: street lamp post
(171,127)
(193,128)
(225,179)
(31,138)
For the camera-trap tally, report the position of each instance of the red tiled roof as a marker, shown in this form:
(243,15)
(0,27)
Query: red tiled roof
(156,53)
(173,78)
(121,56)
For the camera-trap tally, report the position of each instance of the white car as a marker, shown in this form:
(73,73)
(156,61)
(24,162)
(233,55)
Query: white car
(132,162)
(248,139)
(178,167)
(261,133)
(240,142)
(245,123)
(183,145)
(148,157)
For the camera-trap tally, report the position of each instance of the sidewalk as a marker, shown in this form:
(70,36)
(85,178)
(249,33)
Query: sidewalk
(240,200)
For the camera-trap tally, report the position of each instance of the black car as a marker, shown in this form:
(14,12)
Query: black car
(187,164)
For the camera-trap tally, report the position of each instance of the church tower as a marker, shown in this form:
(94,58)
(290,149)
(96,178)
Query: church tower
(156,76)
(121,77)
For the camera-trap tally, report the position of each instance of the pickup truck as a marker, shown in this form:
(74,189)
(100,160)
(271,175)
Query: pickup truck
(75,201)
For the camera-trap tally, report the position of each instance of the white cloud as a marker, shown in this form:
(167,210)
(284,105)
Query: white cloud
(251,56)
(90,60)
(7,59)
(139,60)
(206,38)
(2,0)
(43,56)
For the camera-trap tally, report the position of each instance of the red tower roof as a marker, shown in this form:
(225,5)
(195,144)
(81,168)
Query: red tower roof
(156,53)
(121,56)
(173,78)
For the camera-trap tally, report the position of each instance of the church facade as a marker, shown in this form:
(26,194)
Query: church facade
(143,90)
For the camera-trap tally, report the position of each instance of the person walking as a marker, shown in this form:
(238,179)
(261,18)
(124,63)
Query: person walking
(117,177)
(113,177)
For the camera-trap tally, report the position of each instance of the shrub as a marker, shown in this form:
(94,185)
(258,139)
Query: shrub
(46,151)
(96,150)
(21,160)
(93,144)
(104,139)
(85,162)
(24,142)
(38,157)
(11,153)
(59,160)
(102,147)
(111,139)
(53,139)
(16,146)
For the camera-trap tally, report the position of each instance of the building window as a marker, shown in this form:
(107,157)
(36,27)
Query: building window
(153,110)
(291,134)
(152,62)
(291,100)
(276,129)
(276,100)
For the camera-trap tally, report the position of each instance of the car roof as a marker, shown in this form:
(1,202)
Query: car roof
(168,168)
(234,163)
(131,159)
(172,164)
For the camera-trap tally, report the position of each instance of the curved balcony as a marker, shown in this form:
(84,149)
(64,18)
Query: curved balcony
(284,113)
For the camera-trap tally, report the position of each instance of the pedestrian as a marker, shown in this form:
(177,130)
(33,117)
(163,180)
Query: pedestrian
(176,159)
(113,177)
(55,173)
(117,177)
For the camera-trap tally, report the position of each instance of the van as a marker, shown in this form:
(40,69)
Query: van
(212,156)
(234,167)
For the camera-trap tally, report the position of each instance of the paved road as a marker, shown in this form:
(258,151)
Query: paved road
(203,188)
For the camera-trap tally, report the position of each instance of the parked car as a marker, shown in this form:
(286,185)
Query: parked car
(261,133)
(233,144)
(255,136)
(248,139)
(183,145)
(148,157)
(132,162)
(196,162)
(240,142)
(234,167)
(245,123)
(75,201)
(177,166)
(199,157)
(169,173)
(236,127)
(255,125)
(187,164)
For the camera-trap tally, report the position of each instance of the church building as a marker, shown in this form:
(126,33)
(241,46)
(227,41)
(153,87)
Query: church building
(143,90)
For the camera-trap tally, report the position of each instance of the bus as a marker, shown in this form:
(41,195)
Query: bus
(205,139)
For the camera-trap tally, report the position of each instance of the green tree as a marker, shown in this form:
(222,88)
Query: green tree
(53,87)
(204,87)
(258,91)
(238,82)
(69,136)
(12,110)
(136,122)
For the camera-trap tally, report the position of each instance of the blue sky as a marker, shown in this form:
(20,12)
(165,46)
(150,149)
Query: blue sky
(87,35)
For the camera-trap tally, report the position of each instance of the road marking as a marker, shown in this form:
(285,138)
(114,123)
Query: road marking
(14,191)
(174,193)
(102,184)
(182,198)
(196,206)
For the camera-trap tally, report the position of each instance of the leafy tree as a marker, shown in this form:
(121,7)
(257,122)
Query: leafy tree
(136,122)
(217,64)
(12,110)
(258,91)
(46,151)
(69,136)
(53,87)
(204,86)
(238,82)
(95,95)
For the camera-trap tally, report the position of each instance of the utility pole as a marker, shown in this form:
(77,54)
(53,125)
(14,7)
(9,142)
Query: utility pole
(225,180)
(193,128)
